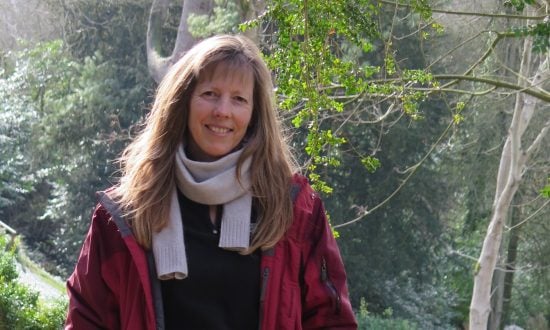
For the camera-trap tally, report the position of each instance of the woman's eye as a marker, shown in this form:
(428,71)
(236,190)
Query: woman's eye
(240,99)
(208,94)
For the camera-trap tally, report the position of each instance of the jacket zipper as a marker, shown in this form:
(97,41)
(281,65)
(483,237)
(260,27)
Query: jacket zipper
(263,289)
(331,288)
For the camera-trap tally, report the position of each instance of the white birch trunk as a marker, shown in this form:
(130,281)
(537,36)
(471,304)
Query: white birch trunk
(158,64)
(512,165)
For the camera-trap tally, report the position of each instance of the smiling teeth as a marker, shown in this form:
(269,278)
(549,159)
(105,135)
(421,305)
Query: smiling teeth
(219,129)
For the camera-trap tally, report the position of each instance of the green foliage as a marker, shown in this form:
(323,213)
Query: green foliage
(380,323)
(70,108)
(77,116)
(308,63)
(18,113)
(8,271)
(371,163)
(20,307)
(457,113)
(427,305)
(540,32)
(367,321)
(519,5)
(115,29)
(224,19)
(422,7)
(545,192)
(320,62)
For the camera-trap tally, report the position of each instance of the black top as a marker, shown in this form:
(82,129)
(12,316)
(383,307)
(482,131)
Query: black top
(222,290)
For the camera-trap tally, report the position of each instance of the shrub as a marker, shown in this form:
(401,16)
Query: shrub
(20,306)
(385,322)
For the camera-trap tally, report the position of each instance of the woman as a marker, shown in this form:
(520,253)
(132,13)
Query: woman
(208,227)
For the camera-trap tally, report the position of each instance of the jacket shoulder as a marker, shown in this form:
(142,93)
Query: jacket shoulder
(308,210)
(302,191)
(110,213)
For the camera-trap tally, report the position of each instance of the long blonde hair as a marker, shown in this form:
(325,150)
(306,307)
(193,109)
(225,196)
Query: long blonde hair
(148,163)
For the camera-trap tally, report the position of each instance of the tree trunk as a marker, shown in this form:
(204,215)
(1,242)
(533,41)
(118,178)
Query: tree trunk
(503,278)
(512,165)
(480,304)
(511,264)
(159,65)
(498,281)
(497,295)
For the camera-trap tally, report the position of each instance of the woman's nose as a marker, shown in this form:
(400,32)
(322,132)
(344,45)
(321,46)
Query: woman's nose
(223,108)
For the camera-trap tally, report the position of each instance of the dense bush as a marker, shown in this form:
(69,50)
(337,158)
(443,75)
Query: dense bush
(20,306)
(62,122)
(368,321)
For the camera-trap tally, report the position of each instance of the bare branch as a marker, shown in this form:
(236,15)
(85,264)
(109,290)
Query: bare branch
(538,140)
(464,13)
(412,170)
(489,51)
(530,216)
(457,91)
(452,50)
(543,96)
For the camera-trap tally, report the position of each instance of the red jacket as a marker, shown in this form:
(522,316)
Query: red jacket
(114,284)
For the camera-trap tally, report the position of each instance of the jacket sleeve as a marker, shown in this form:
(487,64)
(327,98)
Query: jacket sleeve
(91,302)
(325,296)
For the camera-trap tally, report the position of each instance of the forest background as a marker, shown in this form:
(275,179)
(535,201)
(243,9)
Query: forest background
(423,123)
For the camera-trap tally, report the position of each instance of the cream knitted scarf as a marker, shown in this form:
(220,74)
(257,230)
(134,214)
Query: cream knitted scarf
(210,183)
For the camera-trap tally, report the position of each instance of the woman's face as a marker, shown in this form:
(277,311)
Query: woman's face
(220,110)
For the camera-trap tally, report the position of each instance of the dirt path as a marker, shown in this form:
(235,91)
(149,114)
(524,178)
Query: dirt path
(47,291)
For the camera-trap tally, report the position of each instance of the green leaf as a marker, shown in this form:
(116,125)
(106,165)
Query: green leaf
(545,192)
(457,118)
(371,163)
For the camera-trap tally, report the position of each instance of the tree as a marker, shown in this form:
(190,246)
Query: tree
(85,97)
(490,62)
(196,21)
(17,28)
(44,137)
(512,166)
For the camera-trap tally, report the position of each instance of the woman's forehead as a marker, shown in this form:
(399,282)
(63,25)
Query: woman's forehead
(237,71)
